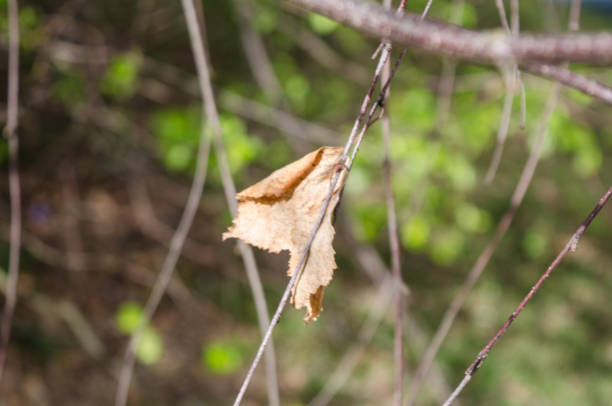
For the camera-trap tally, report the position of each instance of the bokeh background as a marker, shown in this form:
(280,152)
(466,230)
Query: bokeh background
(109,127)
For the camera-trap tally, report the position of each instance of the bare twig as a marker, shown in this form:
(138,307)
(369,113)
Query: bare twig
(514,28)
(447,77)
(398,346)
(482,261)
(66,310)
(230,192)
(72,236)
(351,357)
(409,30)
(324,54)
(570,246)
(504,224)
(514,17)
(575,80)
(354,141)
(335,182)
(573,25)
(502,14)
(466,379)
(10,132)
(465,44)
(179,236)
(510,80)
(504,124)
(280,119)
(256,54)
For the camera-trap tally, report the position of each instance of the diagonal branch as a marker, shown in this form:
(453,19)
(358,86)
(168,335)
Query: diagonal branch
(487,47)
(569,246)
(229,188)
(363,121)
(571,79)
(12,113)
(485,256)
(178,239)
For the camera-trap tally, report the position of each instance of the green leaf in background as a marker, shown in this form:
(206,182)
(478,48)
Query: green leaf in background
(415,234)
(120,79)
(241,148)
(460,172)
(177,132)
(446,247)
(534,243)
(127,320)
(266,20)
(297,89)
(223,357)
(69,88)
(472,219)
(321,25)
(371,219)
(151,347)
(128,317)
(574,138)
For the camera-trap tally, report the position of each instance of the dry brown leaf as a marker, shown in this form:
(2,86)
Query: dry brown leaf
(279,212)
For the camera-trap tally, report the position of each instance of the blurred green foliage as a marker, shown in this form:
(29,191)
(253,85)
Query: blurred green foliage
(224,356)
(120,79)
(149,118)
(127,320)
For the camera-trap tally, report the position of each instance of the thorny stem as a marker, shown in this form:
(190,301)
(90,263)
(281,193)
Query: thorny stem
(10,132)
(569,246)
(178,238)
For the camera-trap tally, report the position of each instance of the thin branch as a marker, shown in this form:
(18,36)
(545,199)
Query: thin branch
(280,119)
(335,182)
(487,47)
(398,346)
(569,246)
(514,29)
(447,78)
(351,357)
(573,25)
(461,43)
(504,124)
(466,379)
(510,83)
(230,194)
(502,14)
(504,224)
(10,132)
(514,17)
(354,141)
(323,53)
(575,80)
(485,256)
(256,54)
(178,239)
